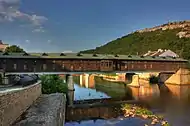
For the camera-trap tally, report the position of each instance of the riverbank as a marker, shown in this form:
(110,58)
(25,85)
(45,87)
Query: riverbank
(118,114)
(136,111)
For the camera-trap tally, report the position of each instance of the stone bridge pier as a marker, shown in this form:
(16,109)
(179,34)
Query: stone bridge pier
(141,89)
(70,83)
(179,84)
(87,80)
(71,89)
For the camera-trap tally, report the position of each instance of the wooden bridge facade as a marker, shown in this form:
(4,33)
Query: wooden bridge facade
(24,62)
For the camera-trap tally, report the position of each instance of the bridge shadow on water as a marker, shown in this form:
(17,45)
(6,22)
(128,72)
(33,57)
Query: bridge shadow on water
(100,104)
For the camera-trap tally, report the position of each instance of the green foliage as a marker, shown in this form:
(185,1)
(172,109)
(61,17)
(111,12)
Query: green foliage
(134,110)
(143,42)
(53,84)
(14,49)
(137,110)
(110,74)
(153,79)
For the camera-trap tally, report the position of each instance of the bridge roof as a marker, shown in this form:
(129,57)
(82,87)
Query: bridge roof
(85,56)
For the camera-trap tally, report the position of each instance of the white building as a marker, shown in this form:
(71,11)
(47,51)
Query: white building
(161,53)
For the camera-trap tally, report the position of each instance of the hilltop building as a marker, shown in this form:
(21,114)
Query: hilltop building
(3,46)
(161,53)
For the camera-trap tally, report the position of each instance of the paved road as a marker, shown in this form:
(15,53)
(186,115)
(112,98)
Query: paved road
(18,83)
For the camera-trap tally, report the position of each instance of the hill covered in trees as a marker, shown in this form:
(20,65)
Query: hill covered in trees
(174,36)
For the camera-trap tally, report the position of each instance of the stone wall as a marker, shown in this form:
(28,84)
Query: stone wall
(13,103)
(181,77)
(48,110)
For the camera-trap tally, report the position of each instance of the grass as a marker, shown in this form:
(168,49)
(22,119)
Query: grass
(136,111)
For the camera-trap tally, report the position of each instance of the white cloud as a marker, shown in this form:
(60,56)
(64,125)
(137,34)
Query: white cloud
(27,41)
(40,29)
(9,11)
(49,41)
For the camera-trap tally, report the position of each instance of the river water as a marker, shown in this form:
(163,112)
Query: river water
(175,110)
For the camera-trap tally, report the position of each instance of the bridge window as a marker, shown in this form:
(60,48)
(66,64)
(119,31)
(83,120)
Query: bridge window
(118,65)
(132,66)
(15,66)
(125,66)
(53,61)
(71,67)
(102,64)
(145,66)
(63,65)
(110,64)
(25,67)
(53,66)
(44,66)
(34,69)
(150,65)
(107,64)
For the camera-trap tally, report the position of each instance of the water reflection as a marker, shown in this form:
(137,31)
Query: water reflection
(172,101)
(146,92)
(82,93)
(120,121)
(179,91)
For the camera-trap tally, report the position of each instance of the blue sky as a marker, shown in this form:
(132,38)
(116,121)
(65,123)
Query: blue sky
(74,25)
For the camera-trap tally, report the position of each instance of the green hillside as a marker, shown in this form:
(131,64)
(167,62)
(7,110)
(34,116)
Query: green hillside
(143,42)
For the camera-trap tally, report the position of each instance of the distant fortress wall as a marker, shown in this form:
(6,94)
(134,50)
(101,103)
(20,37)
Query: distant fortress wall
(172,25)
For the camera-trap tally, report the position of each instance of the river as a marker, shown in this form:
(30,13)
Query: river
(175,110)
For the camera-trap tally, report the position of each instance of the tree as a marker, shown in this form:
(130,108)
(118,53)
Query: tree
(14,49)
(53,84)
(145,41)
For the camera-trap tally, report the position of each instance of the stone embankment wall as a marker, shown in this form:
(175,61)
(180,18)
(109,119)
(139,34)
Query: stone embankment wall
(48,110)
(14,103)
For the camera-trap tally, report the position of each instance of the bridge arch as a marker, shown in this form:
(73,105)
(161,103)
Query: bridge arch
(129,76)
(163,76)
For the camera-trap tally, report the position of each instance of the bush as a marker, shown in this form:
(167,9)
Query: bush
(53,84)
(153,79)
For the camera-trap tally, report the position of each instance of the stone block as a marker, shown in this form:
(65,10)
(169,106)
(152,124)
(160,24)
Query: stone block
(48,110)
(181,77)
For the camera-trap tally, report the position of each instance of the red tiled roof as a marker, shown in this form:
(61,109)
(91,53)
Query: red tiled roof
(157,53)
(149,53)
